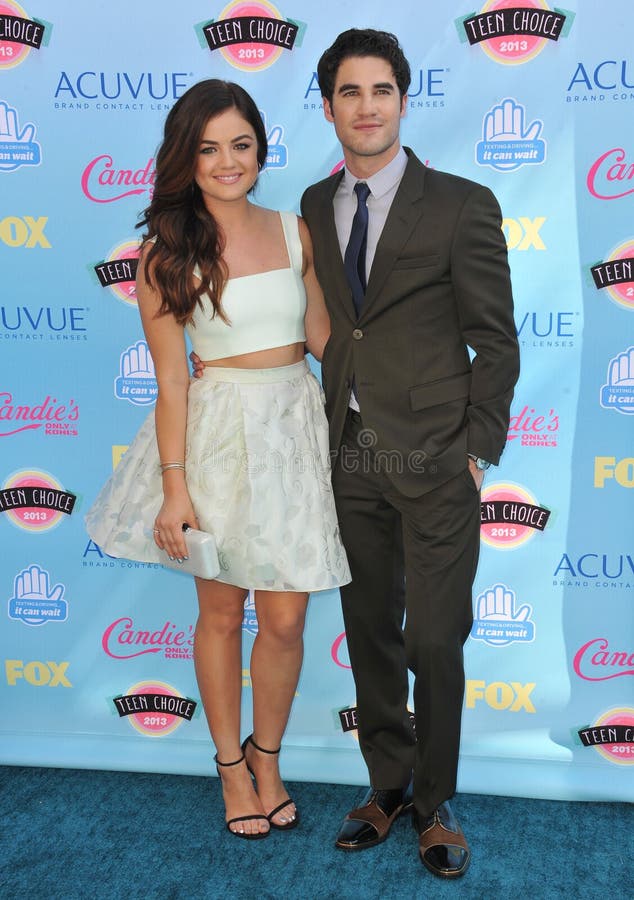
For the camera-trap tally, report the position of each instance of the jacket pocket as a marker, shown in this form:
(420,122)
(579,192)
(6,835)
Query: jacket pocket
(416,262)
(444,390)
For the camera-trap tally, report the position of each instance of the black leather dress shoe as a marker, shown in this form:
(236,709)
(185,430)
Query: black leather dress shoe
(442,845)
(370,823)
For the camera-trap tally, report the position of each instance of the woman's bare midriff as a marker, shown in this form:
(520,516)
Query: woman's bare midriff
(262,359)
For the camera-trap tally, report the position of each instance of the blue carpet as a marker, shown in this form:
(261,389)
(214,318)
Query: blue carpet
(77,835)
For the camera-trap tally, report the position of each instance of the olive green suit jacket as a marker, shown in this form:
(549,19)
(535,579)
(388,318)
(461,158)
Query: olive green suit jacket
(439,284)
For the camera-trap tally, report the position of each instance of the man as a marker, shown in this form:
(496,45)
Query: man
(413,426)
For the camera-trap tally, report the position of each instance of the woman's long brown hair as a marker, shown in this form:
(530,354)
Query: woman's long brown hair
(183,232)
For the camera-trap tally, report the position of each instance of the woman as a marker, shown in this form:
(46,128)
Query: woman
(241,452)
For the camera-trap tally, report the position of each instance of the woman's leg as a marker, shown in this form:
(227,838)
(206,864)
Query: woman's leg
(276,661)
(218,664)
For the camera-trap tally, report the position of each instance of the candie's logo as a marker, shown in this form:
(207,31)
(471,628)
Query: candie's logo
(510,516)
(19,34)
(612,736)
(102,181)
(618,393)
(611,175)
(339,651)
(118,271)
(54,417)
(35,501)
(531,430)
(122,639)
(250,34)
(596,661)
(512,32)
(616,275)
(154,708)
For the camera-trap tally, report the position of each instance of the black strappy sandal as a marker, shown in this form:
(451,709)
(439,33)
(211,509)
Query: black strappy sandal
(292,823)
(256,835)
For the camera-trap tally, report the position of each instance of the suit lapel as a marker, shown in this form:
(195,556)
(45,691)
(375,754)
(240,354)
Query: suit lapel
(337,280)
(404,214)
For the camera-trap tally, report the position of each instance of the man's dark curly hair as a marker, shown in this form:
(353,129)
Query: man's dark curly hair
(362,42)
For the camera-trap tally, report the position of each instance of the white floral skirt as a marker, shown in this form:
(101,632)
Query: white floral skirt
(258,474)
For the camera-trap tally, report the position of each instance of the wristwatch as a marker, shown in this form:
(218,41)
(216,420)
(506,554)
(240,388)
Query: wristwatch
(480,463)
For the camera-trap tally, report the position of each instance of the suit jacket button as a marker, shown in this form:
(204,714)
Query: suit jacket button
(357,334)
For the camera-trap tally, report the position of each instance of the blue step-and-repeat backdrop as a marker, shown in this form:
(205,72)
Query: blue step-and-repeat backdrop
(533,100)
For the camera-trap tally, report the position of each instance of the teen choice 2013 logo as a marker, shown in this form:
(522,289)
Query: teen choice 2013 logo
(19,34)
(251,36)
(510,516)
(154,708)
(118,271)
(616,275)
(612,736)
(35,501)
(512,32)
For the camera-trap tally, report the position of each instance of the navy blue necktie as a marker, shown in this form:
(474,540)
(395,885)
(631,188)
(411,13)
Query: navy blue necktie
(354,259)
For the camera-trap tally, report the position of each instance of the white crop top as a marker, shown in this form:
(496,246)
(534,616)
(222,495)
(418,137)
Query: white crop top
(264,310)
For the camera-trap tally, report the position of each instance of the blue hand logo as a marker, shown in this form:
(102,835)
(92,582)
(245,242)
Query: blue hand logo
(506,123)
(250,619)
(137,380)
(136,362)
(277,154)
(17,147)
(618,393)
(497,622)
(34,601)
(507,142)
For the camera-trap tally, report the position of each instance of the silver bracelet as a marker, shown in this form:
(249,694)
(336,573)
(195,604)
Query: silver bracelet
(171,465)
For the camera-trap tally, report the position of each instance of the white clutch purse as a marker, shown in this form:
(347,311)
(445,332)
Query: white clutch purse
(202,553)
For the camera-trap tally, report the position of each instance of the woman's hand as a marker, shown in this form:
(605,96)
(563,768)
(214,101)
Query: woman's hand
(197,365)
(168,526)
